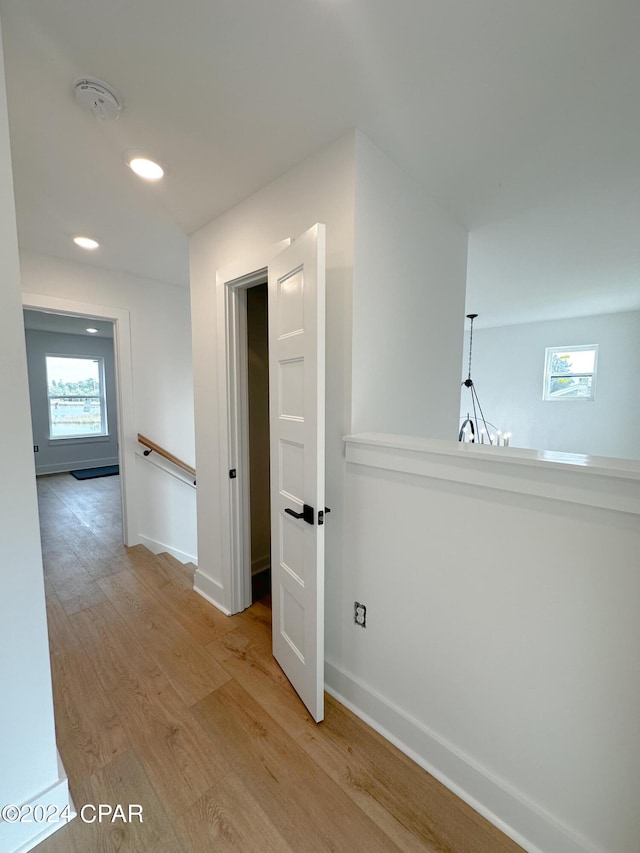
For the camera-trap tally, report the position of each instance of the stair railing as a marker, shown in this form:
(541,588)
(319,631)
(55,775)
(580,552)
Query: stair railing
(152,447)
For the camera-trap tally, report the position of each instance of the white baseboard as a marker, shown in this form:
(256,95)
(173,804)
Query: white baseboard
(64,467)
(505,807)
(260,564)
(160,547)
(22,837)
(211,590)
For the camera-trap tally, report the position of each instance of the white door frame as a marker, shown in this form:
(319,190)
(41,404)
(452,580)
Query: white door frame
(232,283)
(127,436)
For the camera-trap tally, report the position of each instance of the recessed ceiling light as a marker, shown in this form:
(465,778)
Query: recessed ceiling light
(86,242)
(145,168)
(92,331)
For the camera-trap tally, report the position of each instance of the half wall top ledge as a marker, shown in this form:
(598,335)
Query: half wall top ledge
(612,484)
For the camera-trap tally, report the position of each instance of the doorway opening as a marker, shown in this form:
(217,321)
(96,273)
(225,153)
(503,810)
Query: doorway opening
(121,425)
(258,440)
(295,272)
(74,415)
(244,381)
(233,284)
(72,391)
(73,398)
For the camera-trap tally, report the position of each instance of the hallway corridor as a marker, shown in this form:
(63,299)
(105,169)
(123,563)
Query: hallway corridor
(163,702)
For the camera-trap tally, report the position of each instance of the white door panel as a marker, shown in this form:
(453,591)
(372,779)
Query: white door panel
(296,411)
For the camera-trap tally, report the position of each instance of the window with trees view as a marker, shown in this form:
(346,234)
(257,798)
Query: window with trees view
(570,373)
(77,405)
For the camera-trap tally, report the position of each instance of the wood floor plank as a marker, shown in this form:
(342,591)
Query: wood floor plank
(85,545)
(256,621)
(55,515)
(123,782)
(71,582)
(228,819)
(78,593)
(102,567)
(199,617)
(242,769)
(163,574)
(253,666)
(170,560)
(190,668)
(88,731)
(59,560)
(109,534)
(257,671)
(305,805)
(186,570)
(178,757)
(48,588)
(412,805)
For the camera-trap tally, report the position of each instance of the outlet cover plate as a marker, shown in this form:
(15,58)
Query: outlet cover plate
(360,614)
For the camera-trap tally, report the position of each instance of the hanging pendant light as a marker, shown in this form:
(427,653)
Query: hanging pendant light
(475,429)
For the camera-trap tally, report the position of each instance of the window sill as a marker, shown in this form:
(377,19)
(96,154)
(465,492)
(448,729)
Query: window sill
(568,399)
(601,482)
(84,439)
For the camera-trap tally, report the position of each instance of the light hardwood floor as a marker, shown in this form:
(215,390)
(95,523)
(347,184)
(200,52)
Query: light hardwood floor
(162,701)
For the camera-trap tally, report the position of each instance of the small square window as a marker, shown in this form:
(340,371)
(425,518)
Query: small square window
(76,397)
(570,373)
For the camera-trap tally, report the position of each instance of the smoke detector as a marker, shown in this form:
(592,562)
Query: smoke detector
(98,98)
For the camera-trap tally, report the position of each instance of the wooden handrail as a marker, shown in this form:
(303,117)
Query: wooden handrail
(152,446)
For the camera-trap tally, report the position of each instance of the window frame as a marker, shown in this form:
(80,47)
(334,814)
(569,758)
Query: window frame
(548,376)
(101,397)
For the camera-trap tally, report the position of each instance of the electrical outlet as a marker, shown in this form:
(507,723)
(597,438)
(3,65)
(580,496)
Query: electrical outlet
(36,449)
(359,614)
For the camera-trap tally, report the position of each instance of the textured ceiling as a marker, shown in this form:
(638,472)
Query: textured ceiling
(522,119)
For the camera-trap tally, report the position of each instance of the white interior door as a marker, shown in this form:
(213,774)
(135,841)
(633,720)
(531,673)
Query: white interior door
(296,412)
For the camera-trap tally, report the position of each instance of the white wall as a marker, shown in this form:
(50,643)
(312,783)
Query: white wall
(508,370)
(501,643)
(501,627)
(167,509)
(319,190)
(407,253)
(162,376)
(28,759)
(500,648)
(68,455)
(409,289)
